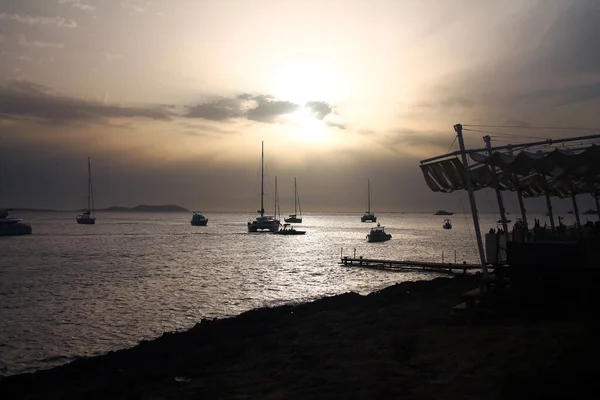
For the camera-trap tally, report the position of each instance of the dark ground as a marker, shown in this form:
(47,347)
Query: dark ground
(397,343)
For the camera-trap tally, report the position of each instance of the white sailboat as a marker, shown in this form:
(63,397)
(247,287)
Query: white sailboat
(368,216)
(88,217)
(294,217)
(264,222)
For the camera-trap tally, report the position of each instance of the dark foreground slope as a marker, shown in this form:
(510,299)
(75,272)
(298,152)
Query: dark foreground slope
(396,343)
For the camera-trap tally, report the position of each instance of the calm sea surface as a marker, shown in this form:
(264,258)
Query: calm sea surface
(70,290)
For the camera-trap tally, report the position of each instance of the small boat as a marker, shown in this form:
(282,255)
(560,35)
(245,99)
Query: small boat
(264,222)
(378,234)
(590,212)
(87,217)
(368,216)
(199,219)
(289,230)
(500,221)
(12,226)
(294,217)
(443,212)
(447,224)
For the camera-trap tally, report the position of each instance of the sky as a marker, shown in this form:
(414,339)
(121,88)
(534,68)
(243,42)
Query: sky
(171,99)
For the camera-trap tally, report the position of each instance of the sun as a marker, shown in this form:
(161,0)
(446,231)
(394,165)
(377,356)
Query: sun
(306,127)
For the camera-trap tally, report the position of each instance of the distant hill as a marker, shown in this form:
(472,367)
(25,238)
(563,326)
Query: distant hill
(147,208)
(17,209)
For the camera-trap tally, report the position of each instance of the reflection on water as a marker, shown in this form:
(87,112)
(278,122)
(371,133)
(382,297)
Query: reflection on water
(74,290)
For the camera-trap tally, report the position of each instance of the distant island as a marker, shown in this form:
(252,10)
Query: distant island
(147,208)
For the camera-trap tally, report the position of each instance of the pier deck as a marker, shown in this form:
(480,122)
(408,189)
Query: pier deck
(394,265)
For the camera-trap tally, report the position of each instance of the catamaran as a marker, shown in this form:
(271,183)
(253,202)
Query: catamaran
(368,216)
(88,216)
(12,226)
(264,222)
(294,217)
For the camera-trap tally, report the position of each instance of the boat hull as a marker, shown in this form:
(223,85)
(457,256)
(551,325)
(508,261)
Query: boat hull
(290,233)
(293,219)
(368,218)
(379,238)
(200,222)
(260,226)
(85,220)
(15,229)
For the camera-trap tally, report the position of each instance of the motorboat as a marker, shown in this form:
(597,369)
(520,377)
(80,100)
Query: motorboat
(289,230)
(12,226)
(378,234)
(443,212)
(199,219)
(447,224)
(87,217)
(264,222)
(368,215)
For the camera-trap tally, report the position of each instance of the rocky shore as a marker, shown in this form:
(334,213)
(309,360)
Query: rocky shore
(399,342)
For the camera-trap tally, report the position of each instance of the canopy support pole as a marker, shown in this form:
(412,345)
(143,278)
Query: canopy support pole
(488,144)
(576,211)
(597,204)
(549,205)
(461,143)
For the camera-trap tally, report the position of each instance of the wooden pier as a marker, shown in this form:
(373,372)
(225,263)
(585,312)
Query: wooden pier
(405,266)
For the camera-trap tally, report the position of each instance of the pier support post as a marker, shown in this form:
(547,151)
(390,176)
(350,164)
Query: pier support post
(550,215)
(488,145)
(576,211)
(461,143)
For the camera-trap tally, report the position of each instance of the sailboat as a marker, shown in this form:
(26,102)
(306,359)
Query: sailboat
(88,217)
(264,222)
(368,216)
(294,217)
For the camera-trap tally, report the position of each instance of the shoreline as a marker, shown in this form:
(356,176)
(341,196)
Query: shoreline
(396,342)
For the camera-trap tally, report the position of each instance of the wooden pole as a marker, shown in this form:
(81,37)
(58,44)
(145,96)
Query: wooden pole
(461,143)
(488,144)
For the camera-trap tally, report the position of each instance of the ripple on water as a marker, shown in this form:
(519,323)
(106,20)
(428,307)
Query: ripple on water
(72,291)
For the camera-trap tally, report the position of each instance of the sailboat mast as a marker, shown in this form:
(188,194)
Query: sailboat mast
(89,196)
(262,177)
(276,206)
(369,194)
(295,198)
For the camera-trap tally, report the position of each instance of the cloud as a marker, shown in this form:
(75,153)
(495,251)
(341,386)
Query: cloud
(78,4)
(319,109)
(260,108)
(112,57)
(37,20)
(268,109)
(567,95)
(27,100)
(219,110)
(36,43)
(133,8)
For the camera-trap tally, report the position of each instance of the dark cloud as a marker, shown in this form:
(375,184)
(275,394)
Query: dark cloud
(28,100)
(220,110)
(268,109)
(570,43)
(319,109)
(261,108)
(567,95)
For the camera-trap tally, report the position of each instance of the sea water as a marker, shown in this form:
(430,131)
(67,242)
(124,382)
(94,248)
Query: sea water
(70,290)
